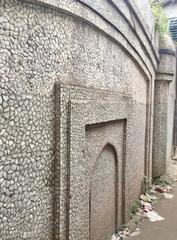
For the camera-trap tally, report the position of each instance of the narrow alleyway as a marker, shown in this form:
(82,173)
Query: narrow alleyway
(162,230)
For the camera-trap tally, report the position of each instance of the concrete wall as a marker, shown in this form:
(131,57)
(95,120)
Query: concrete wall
(162,130)
(171,12)
(171,111)
(145,10)
(76,77)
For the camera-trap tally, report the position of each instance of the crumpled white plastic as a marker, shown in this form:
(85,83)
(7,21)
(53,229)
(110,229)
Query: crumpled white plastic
(154,216)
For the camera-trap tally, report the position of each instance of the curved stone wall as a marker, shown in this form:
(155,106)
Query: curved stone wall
(92,60)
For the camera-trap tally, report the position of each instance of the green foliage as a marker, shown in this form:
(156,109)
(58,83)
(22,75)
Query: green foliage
(123,226)
(147,182)
(160,16)
(135,206)
(161,181)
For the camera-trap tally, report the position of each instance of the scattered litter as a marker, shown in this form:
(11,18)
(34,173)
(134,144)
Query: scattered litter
(144,209)
(153,197)
(126,231)
(117,237)
(169,188)
(168,195)
(161,189)
(146,206)
(121,235)
(152,190)
(154,216)
(145,197)
(121,238)
(114,237)
(136,233)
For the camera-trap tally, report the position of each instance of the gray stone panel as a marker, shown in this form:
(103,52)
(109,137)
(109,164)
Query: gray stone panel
(160,128)
(104,79)
(108,108)
(103,196)
(166,74)
(120,32)
(26,198)
(98,139)
(81,178)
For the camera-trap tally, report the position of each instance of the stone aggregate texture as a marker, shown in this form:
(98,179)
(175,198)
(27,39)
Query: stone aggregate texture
(106,177)
(66,68)
(164,77)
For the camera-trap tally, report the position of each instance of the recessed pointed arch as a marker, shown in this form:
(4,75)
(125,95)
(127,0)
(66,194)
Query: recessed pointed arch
(104,194)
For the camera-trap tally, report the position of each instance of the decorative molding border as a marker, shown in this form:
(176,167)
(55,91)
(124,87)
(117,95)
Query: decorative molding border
(148,62)
(166,51)
(74,113)
(83,113)
(78,107)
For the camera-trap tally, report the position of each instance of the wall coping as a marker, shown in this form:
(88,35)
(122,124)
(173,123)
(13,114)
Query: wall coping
(147,59)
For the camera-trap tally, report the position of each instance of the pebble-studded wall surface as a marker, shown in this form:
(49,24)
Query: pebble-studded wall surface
(40,46)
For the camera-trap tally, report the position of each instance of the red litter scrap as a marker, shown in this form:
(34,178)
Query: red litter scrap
(146,206)
(161,189)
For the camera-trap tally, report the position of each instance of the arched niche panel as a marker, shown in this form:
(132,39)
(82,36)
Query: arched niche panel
(104,195)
